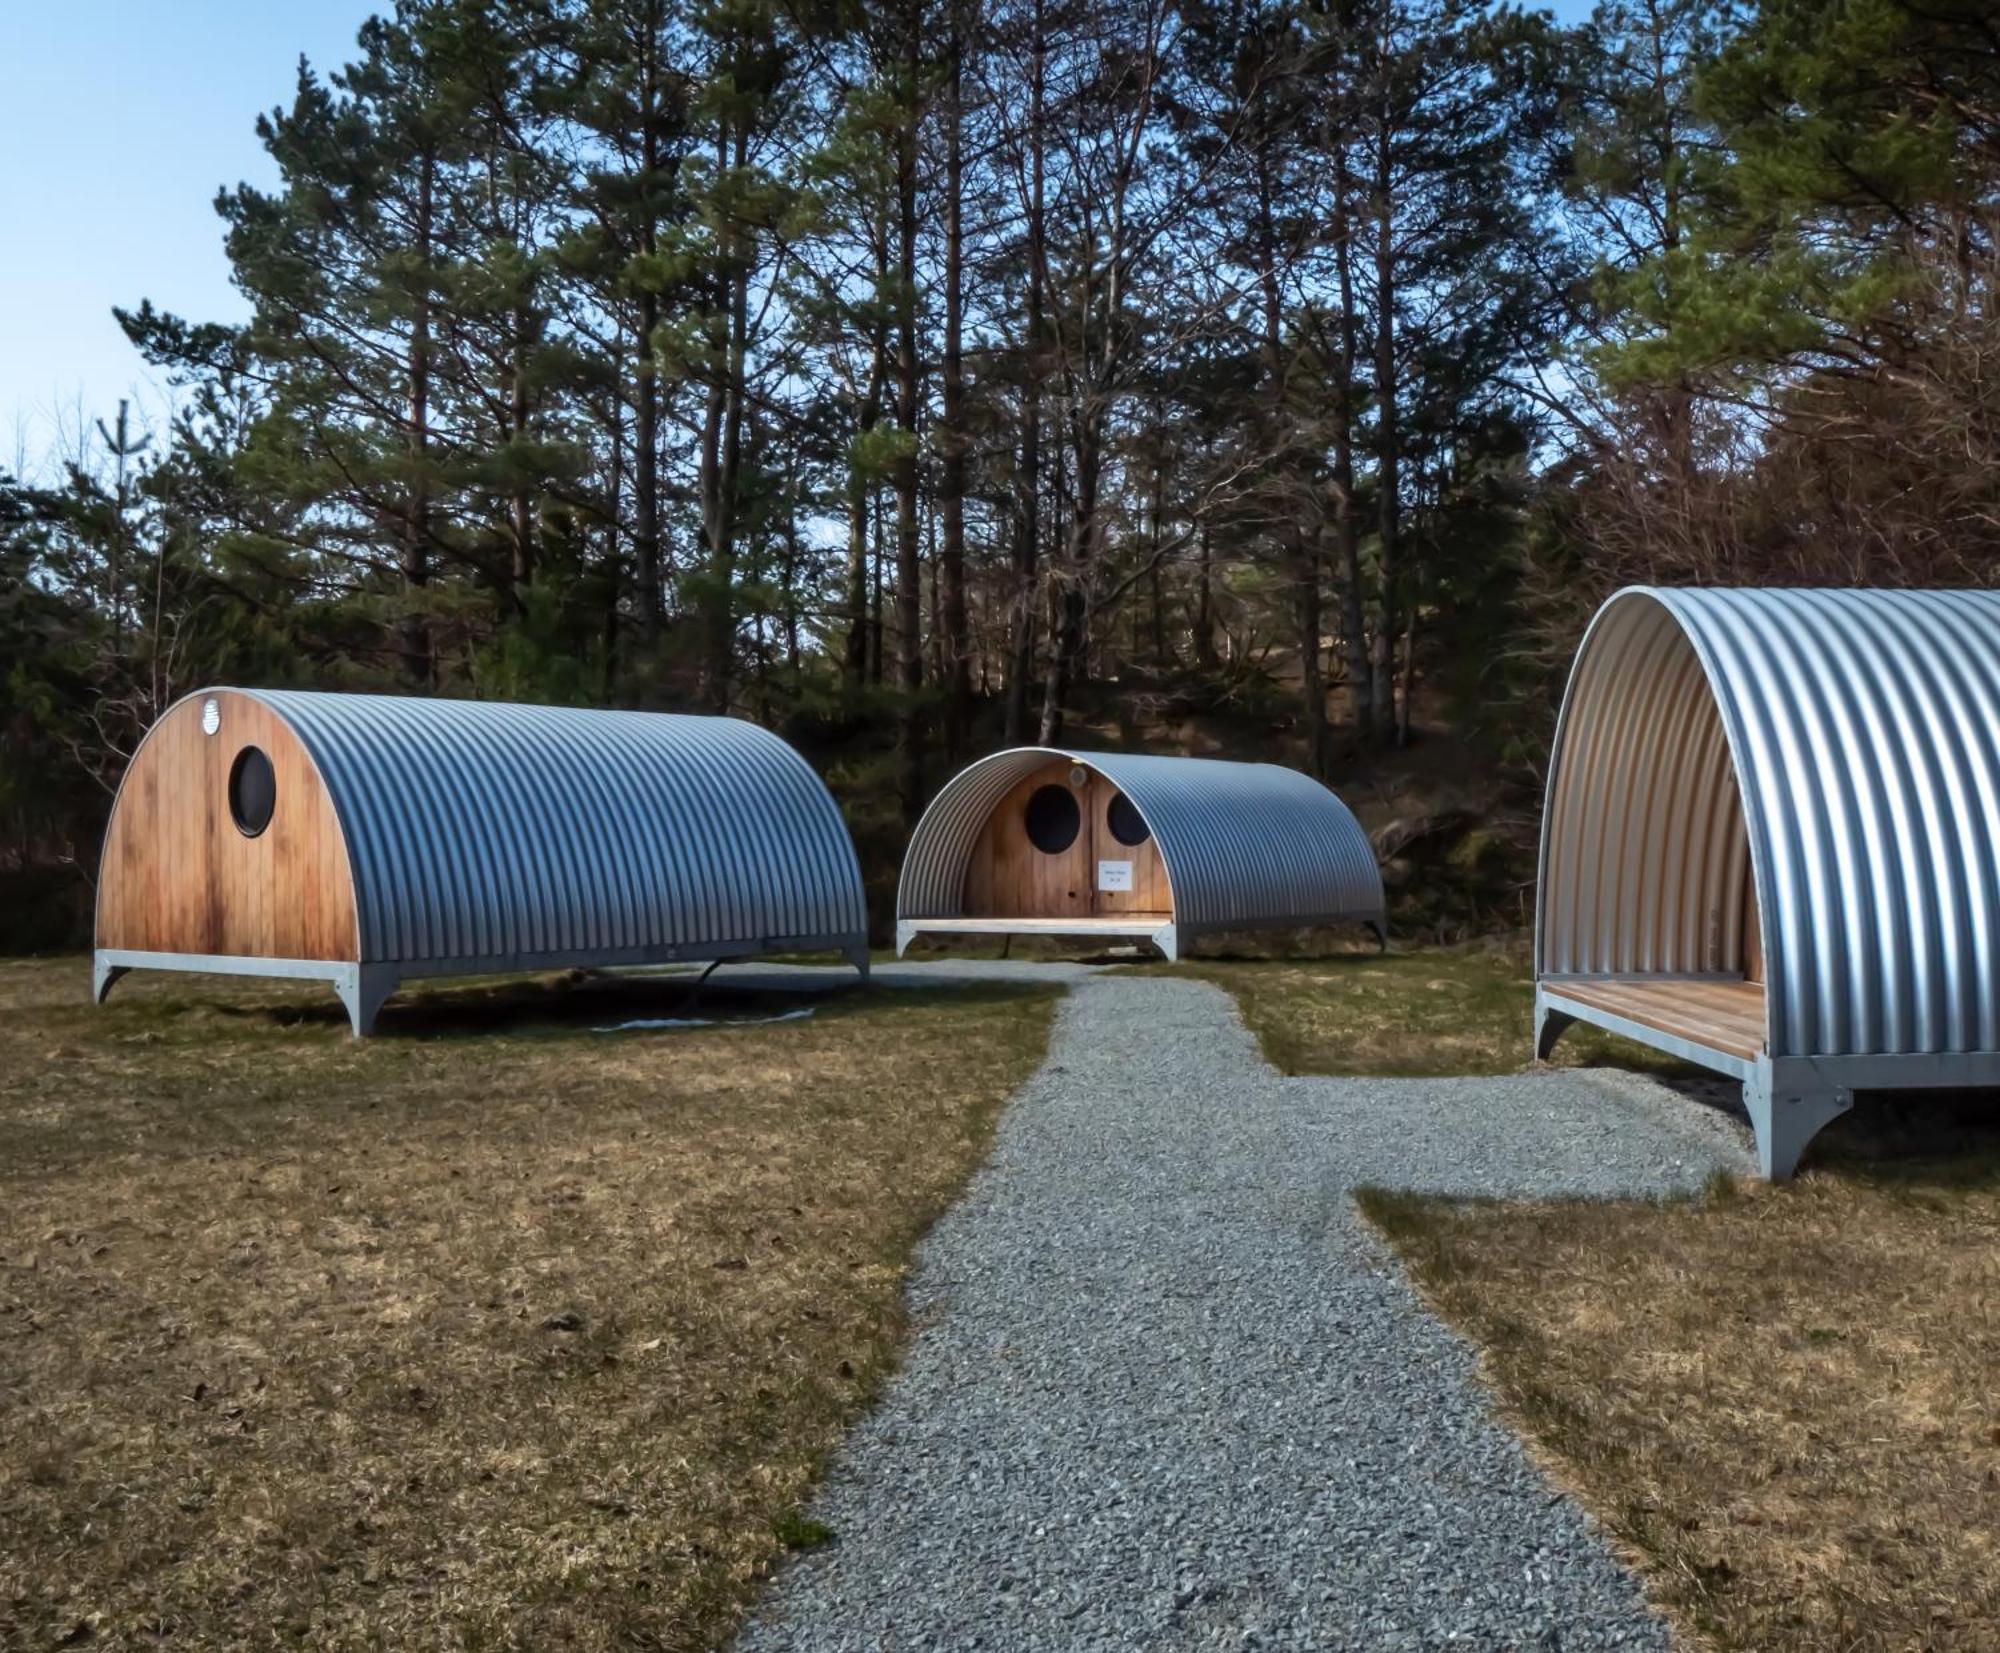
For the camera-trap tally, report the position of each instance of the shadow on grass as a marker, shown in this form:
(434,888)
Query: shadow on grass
(580,1002)
(1914,1142)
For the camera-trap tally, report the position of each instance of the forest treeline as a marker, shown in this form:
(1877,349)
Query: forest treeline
(919,372)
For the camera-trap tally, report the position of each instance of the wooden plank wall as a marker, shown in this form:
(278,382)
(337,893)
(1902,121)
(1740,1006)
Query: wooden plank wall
(1753,932)
(177,876)
(1010,878)
(1150,894)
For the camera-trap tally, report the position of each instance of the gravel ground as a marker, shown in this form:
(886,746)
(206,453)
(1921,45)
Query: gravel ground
(1168,1392)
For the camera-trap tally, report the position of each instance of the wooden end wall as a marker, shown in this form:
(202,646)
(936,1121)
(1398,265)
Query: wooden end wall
(1753,932)
(1010,878)
(177,877)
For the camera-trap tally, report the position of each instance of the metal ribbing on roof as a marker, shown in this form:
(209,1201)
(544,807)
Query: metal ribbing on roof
(478,830)
(1845,746)
(1650,775)
(1244,844)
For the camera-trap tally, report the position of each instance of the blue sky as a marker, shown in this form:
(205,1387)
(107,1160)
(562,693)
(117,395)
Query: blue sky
(119,120)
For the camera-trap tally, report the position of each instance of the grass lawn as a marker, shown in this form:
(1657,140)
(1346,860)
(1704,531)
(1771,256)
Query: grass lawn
(1439,1011)
(1781,1400)
(494,1330)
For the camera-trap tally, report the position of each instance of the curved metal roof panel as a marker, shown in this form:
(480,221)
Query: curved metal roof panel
(478,830)
(1245,845)
(1847,745)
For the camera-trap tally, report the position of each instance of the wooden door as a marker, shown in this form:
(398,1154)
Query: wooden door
(1128,880)
(1011,877)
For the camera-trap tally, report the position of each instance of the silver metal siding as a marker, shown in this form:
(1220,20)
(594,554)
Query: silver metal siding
(1244,844)
(478,830)
(1847,743)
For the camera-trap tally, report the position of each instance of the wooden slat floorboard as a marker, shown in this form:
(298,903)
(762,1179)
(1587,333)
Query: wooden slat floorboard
(1125,923)
(1722,1015)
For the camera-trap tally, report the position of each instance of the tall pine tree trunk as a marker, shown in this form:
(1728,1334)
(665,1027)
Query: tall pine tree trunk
(1302,549)
(645,387)
(1346,523)
(1027,537)
(909,566)
(726,465)
(877,664)
(954,642)
(1072,608)
(646,471)
(1070,594)
(858,616)
(1204,599)
(521,505)
(1388,435)
(721,603)
(860,659)
(614,524)
(1157,512)
(415,558)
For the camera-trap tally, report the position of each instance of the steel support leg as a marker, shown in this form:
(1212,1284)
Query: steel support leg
(362,990)
(1789,1105)
(1550,1025)
(103,977)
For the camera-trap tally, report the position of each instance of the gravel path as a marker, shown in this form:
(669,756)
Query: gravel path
(1167,1391)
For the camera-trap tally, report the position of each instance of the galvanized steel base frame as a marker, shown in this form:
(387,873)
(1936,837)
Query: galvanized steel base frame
(364,988)
(1790,1099)
(1167,937)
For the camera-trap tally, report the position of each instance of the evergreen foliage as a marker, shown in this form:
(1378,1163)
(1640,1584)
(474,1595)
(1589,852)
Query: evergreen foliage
(917,373)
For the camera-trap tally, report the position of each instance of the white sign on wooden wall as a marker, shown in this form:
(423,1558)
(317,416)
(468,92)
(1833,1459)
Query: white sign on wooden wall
(1114,875)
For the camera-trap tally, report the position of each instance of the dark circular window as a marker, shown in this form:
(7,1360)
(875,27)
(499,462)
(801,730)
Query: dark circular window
(1053,819)
(253,791)
(1127,825)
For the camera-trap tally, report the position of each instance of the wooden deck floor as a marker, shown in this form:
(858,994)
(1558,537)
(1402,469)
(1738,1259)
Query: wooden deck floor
(1124,924)
(1719,1015)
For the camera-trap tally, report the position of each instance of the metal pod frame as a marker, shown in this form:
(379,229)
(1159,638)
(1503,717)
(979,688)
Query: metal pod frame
(483,836)
(1835,754)
(1246,846)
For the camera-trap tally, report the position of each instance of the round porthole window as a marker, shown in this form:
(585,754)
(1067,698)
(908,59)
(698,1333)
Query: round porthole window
(1127,825)
(253,791)
(1053,819)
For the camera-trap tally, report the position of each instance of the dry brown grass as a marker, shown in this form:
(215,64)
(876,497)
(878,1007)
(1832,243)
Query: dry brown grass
(492,1331)
(1464,1010)
(1782,1400)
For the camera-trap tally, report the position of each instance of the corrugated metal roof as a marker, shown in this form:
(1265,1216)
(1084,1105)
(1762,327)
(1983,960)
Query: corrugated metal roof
(480,830)
(1245,845)
(1844,748)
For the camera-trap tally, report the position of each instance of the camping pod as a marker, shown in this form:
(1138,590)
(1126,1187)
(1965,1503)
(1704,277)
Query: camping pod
(1038,841)
(1771,844)
(366,839)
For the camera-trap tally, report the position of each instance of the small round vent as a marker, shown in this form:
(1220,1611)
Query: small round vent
(253,791)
